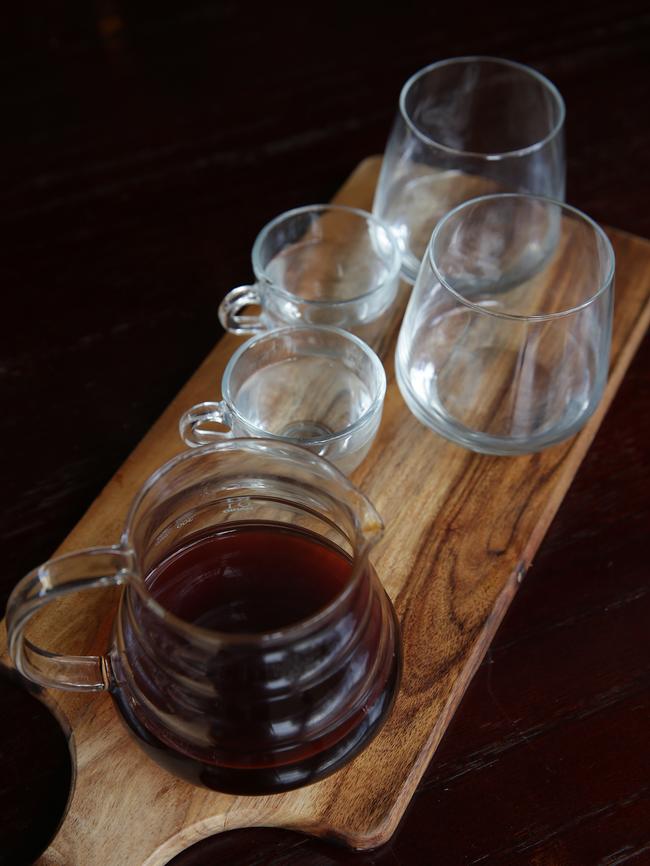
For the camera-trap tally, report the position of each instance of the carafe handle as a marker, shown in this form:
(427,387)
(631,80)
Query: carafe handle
(85,569)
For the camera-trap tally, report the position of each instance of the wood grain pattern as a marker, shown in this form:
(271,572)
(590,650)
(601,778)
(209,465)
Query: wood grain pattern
(461,531)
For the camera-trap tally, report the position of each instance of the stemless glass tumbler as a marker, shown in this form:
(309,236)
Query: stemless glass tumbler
(254,649)
(321,388)
(505,342)
(467,126)
(319,265)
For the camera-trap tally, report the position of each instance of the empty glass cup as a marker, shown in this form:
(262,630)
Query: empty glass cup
(321,388)
(505,342)
(467,126)
(319,265)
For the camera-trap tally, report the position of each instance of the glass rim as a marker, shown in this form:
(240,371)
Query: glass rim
(379,375)
(473,58)
(393,268)
(520,317)
(214,637)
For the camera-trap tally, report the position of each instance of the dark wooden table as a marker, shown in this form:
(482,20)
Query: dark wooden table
(144,145)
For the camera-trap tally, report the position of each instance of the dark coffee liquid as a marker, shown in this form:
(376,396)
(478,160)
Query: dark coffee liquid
(250,578)
(255,722)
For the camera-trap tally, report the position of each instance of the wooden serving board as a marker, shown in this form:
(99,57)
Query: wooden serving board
(462,530)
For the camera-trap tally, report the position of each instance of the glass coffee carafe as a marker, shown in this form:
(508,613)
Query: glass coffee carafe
(254,649)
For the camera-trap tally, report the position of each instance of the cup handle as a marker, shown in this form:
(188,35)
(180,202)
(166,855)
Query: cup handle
(85,569)
(235,301)
(191,429)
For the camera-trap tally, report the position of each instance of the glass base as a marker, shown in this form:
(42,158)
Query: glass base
(482,443)
(265,780)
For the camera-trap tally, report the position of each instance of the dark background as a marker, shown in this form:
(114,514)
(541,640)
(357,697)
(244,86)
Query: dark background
(143,145)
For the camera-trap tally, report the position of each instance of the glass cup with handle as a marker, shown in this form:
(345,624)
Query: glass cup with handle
(322,388)
(320,265)
(467,126)
(504,346)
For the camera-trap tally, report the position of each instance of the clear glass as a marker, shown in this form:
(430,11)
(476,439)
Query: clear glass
(321,388)
(235,710)
(504,346)
(320,265)
(466,127)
